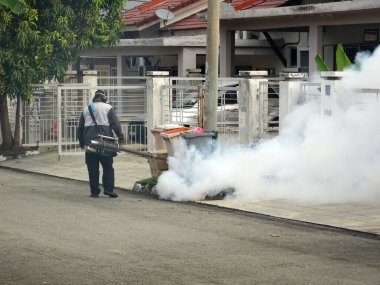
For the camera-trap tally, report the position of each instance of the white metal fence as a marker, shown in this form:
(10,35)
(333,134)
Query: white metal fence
(269,92)
(310,92)
(186,99)
(40,117)
(51,118)
(71,101)
(74,99)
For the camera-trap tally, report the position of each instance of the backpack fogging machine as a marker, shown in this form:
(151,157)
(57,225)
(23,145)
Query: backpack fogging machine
(108,144)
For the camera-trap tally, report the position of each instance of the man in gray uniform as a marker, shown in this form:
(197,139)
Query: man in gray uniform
(103,122)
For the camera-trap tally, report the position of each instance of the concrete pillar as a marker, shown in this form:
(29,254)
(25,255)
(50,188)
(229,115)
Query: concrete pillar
(315,46)
(227,53)
(290,94)
(70,76)
(251,103)
(331,88)
(90,77)
(187,59)
(158,103)
(119,68)
(194,73)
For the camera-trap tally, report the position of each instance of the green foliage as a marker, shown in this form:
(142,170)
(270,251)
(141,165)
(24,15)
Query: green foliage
(321,64)
(16,6)
(342,61)
(39,43)
(148,181)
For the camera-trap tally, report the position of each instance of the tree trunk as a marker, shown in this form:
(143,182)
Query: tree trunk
(17,134)
(6,131)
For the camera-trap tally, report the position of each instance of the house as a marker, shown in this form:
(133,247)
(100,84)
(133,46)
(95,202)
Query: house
(275,35)
(320,26)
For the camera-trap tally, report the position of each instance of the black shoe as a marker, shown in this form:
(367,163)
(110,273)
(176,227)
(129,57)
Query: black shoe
(94,196)
(111,194)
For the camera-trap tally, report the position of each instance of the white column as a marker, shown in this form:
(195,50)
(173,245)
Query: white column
(290,92)
(315,46)
(119,72)
(331,88)
(227,52)
(90,77)
(158,102)
(250,106)
(119,68)
(70,77)
(187,59)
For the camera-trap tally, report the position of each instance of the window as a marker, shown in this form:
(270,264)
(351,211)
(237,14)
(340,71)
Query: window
(304,61)
(293,57)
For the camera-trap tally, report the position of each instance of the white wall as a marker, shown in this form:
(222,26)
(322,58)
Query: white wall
(258,62)
(346,34)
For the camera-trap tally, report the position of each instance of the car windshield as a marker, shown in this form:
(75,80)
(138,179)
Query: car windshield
(187,99)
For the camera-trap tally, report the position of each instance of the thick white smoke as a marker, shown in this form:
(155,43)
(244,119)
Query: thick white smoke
(318,159)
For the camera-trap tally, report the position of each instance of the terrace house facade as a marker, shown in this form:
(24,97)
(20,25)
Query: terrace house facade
(273,35)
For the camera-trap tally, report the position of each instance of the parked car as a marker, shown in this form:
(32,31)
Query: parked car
(185,111)
(185,108)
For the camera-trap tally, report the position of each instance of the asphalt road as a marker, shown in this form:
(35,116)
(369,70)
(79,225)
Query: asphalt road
(52,232)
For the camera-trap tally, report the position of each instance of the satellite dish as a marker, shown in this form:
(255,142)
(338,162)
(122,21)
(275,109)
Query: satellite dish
(164,14)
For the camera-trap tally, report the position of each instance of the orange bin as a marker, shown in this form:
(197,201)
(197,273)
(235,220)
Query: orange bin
(159,142)
(172,137)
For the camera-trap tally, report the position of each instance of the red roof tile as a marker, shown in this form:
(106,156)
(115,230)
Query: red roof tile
(247,4)
(145,13)
(192,23)
(189,23)
(257,4)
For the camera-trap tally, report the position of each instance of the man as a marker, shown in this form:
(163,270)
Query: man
(105,122)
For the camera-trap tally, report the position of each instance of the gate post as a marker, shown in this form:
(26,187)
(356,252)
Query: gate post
(158,102)
(70,76)
(59,115)
(90,77)
(251,103)
(290,94)
(330,87)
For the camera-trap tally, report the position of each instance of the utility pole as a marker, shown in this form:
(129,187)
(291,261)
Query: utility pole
(212,60)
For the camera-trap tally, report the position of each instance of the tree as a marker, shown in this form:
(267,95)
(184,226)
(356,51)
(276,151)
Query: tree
(38,44)
(16,6)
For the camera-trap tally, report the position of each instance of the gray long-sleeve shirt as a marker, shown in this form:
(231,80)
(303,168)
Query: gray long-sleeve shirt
(105,118)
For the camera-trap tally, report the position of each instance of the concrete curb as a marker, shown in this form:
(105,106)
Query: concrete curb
(149,189)
(19,155)
(298,222)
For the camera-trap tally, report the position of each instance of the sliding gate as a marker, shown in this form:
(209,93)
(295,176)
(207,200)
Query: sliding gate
(52,116)
(72,100)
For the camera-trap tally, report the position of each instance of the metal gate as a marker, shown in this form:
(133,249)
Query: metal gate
(187,104)
(269,93)
(51,118)
(310,92)
(40,117)
(73,99)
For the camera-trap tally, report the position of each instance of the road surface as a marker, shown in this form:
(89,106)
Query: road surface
(52,232)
